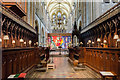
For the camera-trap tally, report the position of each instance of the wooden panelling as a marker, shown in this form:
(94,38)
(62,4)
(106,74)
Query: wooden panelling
(79,52)
(16,28)
(99,59)
(17,60)
(103,59)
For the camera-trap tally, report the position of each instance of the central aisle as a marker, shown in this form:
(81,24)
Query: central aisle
(63,70)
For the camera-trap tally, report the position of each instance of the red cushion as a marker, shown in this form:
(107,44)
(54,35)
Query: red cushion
(22,75)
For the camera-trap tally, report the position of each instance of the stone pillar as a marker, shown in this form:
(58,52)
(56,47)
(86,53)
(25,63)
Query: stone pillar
(31,13)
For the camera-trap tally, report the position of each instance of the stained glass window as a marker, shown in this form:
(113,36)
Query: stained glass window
(64,17)
(59,15)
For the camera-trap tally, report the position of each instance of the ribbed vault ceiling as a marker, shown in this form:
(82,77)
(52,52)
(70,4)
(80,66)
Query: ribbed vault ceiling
(55,6)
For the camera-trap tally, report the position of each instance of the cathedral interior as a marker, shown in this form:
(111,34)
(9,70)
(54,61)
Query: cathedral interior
(60,39)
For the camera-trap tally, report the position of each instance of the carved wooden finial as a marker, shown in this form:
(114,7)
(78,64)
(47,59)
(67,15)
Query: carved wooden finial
(115,21)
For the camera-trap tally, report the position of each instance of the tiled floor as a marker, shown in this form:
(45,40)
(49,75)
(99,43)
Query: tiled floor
(63,70)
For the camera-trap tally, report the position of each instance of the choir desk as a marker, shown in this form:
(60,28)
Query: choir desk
(108,75)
